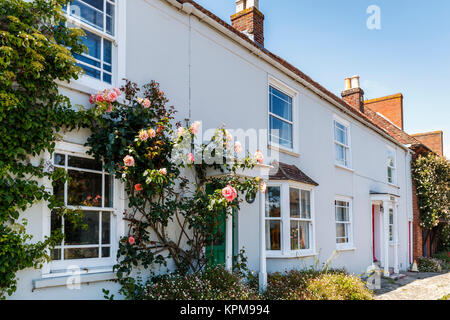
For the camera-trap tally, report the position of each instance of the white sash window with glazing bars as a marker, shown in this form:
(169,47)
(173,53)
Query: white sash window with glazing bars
(97,19)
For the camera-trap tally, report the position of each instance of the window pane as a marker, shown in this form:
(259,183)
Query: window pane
(273,202)
(106,228)
(295,232)
(106,252)
(280,132)
(107,78)
(60,159)
(389,170)
(85,189)
(340,154)
(341,230)
(107,51)
(306,204)
(109,18)
(280,104)
(391,216)
(273,235)
(91,72)
(391,234)
(294,202)
(85,163)
(81,236)
(89,11)
(93,43)
(109,192)
(80,253)
(340,133)
(55,254)
(304,235)
(58,191)
(342,214)
(55,221)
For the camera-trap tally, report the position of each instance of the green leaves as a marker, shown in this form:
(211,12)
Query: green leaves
(33,54)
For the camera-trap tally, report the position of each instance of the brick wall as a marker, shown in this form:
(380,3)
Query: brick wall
(417,230)
(355,98)
(433,140)
(390,107)
(250,21)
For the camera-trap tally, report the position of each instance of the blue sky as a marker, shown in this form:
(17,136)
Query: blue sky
(329,40)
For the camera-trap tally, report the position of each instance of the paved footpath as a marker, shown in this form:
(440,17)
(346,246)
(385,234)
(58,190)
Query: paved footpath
(416,286)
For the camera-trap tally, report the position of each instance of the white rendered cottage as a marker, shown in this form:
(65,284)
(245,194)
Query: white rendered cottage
(343,188)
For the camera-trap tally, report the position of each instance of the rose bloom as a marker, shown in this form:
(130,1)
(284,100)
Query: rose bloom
(229,135)
(112,96)
(117,91)
(92,99)
(99,98)
(138,187)
(181,131)
(160,129)
(131,240)
(143,135)
(163,171)
(259,156)
(237,147)
(262,187)
(151,133)
(191,157)
(194,127)
(229,193)
(129,161)
(109,108)
(146,103)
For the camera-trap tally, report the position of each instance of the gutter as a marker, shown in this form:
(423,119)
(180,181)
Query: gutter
(189,9)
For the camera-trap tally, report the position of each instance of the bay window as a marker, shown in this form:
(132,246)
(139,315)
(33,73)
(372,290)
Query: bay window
(97,19)
(89,189)
(343,218)
(289,220)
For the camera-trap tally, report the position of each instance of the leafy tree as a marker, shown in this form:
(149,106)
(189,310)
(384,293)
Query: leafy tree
(431,174)
(34,53)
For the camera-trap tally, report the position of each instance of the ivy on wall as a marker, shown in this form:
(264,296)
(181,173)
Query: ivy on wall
(33,55)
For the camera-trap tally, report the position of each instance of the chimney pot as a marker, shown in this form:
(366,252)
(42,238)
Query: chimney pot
(348,83)
(355,82)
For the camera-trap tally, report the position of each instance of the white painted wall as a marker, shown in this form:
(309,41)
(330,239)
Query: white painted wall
(213,79)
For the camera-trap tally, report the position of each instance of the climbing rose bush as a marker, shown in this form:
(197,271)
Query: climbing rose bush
(174,203)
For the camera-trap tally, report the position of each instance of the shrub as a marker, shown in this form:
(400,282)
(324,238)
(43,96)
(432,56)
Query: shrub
(315,285)
(429,265)
(211,284)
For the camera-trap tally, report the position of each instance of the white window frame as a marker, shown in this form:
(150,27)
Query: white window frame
(348,147)
(350,244)
(90,84)
(91,265)
(286,251)
(279,85)
(391,226)
(393,168)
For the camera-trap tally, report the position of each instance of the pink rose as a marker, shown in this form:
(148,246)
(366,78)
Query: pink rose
(163,171)
(117,91)
(112,96)
(151,133)
(237,147)
(229,193)
(259,156)
(191,157)
(143,135)
(99,98)
(131,240)
(262,187)
(138,187)
(181,131)
(92,99)
(129,161)
(194,127)
(146,103)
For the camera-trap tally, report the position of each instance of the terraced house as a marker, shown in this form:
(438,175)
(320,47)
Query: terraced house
(341,191)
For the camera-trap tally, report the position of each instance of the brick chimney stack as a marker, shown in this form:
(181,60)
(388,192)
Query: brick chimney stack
(249,20)
(353,94)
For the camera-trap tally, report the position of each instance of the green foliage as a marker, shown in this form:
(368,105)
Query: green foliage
(429,265)
(315,285)
(214,283)
(33,54)
(431,175)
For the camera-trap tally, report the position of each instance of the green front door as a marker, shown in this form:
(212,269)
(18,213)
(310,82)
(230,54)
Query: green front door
(216,252)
